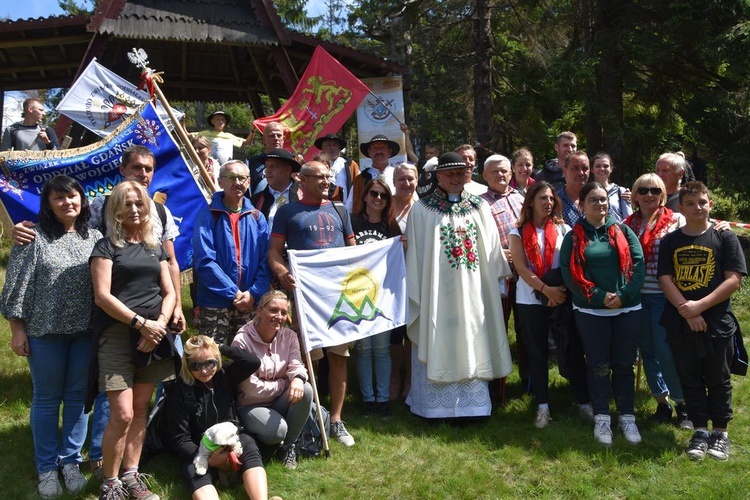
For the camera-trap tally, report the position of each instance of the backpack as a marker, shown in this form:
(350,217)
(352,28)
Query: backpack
(310,441)
(157,427)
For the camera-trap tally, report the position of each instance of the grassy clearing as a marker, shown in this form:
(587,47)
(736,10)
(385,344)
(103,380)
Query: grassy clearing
(406,457)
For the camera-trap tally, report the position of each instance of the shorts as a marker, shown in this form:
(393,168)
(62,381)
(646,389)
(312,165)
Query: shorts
(116,369)
(341,350)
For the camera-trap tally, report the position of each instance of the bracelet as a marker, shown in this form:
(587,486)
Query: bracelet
(134,321)
(142,325)
(541,290)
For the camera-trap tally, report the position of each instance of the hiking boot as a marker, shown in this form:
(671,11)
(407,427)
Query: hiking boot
(74,480)
(663,413)
(683,422)
(543,418)
(698,445)
(338,430)
(718,445)
(602,430)
(113,491)
(135,484)
(586,412)
(629,429)
(49,484)
(288,456)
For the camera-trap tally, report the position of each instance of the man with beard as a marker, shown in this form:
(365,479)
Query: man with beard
(380,150)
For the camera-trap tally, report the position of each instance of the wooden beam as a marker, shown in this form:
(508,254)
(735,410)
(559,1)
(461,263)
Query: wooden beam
(263,76)
(39,67)
(45,42)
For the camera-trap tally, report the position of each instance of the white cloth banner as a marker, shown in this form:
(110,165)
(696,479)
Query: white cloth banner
(346,294)
(375,115)
(100,100)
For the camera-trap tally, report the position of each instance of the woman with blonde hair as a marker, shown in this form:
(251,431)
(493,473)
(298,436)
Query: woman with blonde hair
(134,292)
(202,396)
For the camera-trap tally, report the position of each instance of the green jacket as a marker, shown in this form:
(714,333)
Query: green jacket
(602,267)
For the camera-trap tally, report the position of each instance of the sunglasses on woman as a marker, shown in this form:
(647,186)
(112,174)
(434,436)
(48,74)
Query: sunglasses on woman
(196,366)
(643,191)
(378,194)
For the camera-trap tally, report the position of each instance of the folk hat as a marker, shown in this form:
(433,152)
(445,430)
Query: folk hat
(285,156)
(450,161)
(218,112)
(365,146)
(329,137)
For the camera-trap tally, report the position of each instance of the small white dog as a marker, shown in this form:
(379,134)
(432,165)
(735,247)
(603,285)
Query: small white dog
(215,437)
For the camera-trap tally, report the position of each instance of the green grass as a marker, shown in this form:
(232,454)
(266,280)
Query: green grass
(407,457)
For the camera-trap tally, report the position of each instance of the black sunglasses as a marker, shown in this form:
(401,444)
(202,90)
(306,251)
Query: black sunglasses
(643,191)
(378,194)
(196,366)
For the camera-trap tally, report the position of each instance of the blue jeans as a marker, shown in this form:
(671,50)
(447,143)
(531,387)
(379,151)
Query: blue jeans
(100,419)
(374,350)
(658,363)
(610,346)
(59,367)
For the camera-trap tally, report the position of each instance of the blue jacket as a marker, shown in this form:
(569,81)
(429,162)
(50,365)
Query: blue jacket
(215,265)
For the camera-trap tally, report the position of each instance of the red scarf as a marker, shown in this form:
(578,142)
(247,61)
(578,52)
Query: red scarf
(531,246)
(577,263)
(653,230)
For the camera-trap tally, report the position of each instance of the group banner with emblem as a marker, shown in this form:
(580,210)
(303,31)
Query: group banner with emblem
(382,112)
(96,167)
(325,97)
(349,293)
(101,101)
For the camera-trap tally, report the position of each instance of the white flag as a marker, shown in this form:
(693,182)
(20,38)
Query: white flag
(101,100)
(346,294)
(375,115)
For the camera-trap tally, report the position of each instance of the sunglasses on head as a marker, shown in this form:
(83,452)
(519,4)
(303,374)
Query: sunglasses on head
(644,191)
(196,366)
(378,194)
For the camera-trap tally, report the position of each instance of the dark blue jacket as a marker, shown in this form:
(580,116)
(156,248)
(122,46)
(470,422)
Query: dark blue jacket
(219,275)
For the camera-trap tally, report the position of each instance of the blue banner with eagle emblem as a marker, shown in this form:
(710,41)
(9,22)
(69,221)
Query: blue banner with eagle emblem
(96,167)
(349,293)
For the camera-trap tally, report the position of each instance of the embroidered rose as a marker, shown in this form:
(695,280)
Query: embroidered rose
(471,256)
(468,244)
(457,251)
(459,245)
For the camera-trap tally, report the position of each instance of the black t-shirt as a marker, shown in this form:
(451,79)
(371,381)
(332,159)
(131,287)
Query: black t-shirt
(697,265)
(136,272)
(369,232)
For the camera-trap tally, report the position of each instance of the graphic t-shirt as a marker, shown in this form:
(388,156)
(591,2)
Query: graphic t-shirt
(369,232)
(697,265)
(311,227)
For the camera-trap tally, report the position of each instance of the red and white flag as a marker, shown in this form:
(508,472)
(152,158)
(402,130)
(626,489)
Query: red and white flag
(325,97)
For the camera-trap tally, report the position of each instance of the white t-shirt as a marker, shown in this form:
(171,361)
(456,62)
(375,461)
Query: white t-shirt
(524,292)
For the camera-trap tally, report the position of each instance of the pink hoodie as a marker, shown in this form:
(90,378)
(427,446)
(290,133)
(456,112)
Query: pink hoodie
(280,362)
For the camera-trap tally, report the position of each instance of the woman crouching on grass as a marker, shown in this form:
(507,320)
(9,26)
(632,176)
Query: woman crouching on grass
(204,395)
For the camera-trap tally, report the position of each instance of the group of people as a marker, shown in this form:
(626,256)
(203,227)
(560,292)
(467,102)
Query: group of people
(594,270)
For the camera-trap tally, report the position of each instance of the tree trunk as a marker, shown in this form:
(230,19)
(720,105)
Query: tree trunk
(482,50)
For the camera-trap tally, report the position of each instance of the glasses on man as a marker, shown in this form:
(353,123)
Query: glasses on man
(209,364)
(320,177)
(236,178)
(643,191)
(597,201)
(378,194)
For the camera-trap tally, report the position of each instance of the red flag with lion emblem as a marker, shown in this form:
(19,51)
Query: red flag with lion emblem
(325,97)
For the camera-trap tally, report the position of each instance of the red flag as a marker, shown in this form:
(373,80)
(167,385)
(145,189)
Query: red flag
(325,97)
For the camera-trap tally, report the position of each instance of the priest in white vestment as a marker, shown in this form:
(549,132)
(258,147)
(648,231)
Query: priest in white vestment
(454,261)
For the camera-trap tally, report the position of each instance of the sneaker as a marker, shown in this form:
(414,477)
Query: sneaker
(629,429)
(663,413)
(543,418)
(49,484)
(586,412)
(74,480)
(288,457)
(602,430)
(698,445)
(338,430)
(113,491)
(683,422)
(718,446)
(135,484)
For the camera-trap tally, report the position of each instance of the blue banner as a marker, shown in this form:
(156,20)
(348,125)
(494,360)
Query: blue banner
(96,167)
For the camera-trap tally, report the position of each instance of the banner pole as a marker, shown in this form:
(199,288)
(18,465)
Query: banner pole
(386,107)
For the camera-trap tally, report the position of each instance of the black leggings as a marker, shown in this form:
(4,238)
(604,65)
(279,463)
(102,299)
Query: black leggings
(250,459)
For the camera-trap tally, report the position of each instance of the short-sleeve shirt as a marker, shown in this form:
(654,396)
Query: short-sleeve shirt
(311,227)
(697,265)
(136,272)
(369,232)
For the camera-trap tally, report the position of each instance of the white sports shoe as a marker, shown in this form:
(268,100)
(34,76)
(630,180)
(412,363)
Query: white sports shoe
(602,430)
(629,429)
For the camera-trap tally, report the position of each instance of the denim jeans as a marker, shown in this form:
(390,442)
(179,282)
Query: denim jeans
(658,363)
(279,421)
(100,419)
(59,367)
(610,346)
(374,351)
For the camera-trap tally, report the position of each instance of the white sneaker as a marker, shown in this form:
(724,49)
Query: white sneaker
(74,480)
(629,429)
(49,484)
(602,430)
(543,418)
(338,430)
